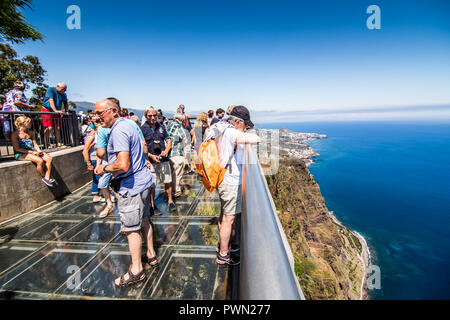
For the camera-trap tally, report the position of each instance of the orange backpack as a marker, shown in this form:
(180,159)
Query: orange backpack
(208,165)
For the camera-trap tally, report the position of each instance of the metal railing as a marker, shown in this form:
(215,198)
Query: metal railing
(66,126)
(267,263)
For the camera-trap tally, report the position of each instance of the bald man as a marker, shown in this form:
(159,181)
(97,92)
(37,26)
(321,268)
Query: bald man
(186,117)
(126,161)
(54,99)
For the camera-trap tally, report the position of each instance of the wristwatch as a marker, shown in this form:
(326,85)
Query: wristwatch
(104,169)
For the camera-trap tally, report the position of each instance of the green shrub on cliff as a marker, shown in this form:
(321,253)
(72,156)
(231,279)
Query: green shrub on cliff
(327,264)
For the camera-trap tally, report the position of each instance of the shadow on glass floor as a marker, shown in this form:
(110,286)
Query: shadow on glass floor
(64,251)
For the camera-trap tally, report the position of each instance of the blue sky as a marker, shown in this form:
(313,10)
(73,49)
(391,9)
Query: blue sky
(314,56)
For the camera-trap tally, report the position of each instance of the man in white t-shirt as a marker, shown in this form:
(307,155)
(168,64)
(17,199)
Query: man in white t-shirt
(230,148)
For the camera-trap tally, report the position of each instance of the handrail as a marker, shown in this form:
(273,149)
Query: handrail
(31,112)
(68,127)
(267,264)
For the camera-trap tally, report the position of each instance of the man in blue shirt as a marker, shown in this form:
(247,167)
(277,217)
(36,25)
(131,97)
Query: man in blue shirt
(54,99)
(159,145)
(126,160)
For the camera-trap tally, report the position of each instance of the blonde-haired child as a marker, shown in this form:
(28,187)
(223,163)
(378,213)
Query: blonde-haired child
(26,149)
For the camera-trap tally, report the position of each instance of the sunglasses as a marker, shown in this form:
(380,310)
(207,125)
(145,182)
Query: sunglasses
(100,114)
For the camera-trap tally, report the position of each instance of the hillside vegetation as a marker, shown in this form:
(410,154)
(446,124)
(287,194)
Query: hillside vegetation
(327,255)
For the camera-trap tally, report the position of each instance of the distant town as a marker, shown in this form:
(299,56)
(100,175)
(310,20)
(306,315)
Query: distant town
(294,144)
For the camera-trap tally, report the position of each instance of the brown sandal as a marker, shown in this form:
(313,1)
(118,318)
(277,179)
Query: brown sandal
(132,279)
(149,261)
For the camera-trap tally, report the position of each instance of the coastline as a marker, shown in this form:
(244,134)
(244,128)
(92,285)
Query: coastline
(364,256)
(296,145)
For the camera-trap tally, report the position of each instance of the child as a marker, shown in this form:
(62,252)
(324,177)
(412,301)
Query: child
(27,149)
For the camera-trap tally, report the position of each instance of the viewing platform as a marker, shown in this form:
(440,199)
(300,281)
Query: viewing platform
(43,254)
(62,250)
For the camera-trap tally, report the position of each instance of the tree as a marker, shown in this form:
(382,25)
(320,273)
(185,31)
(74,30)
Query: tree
(28,70)
(13,26)
(72,104)
(38,94)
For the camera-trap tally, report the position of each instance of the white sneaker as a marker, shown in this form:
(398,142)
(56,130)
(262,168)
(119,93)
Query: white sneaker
(98,199)
(47,182)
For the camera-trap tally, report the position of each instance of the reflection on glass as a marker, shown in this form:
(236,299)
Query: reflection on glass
(97,279)
(203,235)
(163,233)
(98,231)
(47,270)
(188,277)
(207,209)
(47,228)
(11,253)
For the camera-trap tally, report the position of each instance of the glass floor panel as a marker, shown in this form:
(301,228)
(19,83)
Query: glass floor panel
(64,251)
(189,274)
(11,253)
(48,268)
(48,227)
(209,209)
(200,232)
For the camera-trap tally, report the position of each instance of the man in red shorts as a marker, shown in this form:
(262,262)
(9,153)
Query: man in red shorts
(54,99)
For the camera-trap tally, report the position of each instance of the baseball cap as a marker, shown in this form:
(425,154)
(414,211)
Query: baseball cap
(242,113)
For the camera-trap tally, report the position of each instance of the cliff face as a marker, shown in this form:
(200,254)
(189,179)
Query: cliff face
(327,255)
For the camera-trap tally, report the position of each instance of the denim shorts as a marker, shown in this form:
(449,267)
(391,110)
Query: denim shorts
(132,209)
(104,180)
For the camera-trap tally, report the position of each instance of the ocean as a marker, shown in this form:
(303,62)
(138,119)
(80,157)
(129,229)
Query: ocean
(390,182)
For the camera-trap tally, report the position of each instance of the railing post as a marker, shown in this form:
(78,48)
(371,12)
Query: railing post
(75,129)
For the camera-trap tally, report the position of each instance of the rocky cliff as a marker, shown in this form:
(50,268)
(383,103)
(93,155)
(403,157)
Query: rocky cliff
(329,259)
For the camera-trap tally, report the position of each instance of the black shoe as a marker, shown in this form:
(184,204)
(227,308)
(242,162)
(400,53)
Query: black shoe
(172,206)
(227,260)
(154,211)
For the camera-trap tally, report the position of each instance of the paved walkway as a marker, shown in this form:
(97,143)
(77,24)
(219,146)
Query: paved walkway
(64,251)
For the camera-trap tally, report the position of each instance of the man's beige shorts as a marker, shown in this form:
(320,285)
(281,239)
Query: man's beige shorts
(230,199)
(161,171)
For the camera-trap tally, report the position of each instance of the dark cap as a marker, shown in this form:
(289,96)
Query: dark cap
(242,113)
